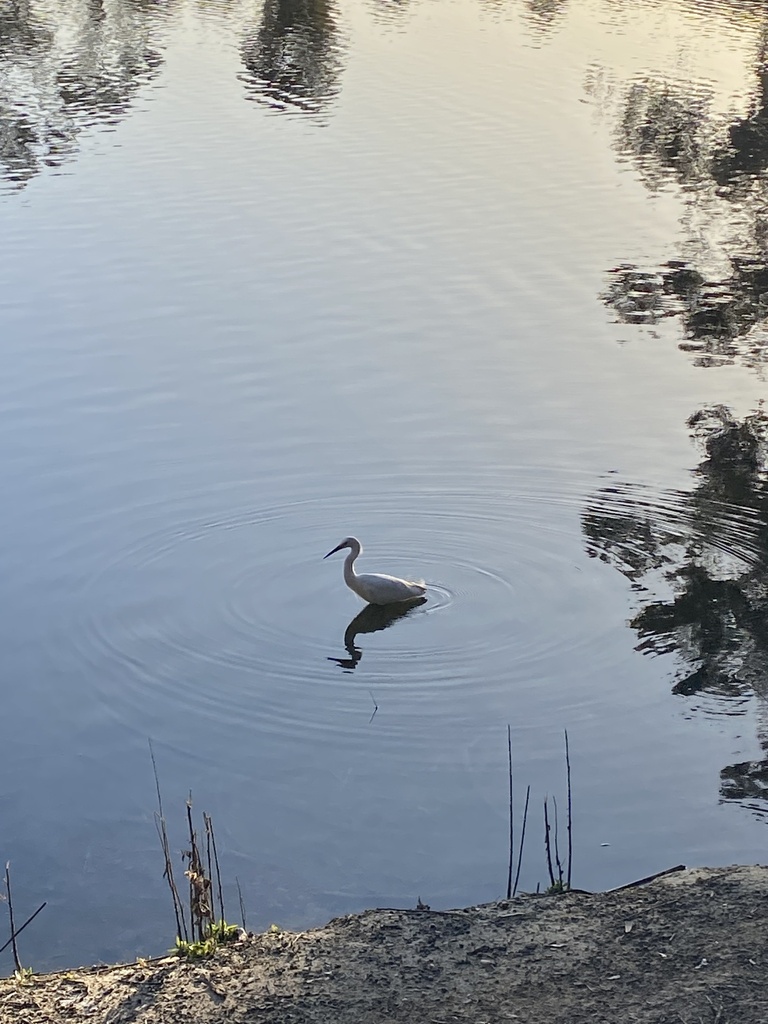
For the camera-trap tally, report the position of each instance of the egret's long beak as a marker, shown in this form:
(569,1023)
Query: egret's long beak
(337,548)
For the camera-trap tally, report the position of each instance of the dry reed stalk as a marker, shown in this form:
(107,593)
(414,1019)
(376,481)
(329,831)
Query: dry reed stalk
(522,840)
(570,808)
(178,907)
(511,814)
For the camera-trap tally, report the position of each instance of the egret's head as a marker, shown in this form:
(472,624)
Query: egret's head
(349,542)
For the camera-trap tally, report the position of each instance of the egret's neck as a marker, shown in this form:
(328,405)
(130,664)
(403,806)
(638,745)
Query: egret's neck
(349,566)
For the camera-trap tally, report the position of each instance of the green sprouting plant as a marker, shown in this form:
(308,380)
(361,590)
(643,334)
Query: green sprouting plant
(224,932)
(558,886)
(195,950)
(217,934)
(23,976)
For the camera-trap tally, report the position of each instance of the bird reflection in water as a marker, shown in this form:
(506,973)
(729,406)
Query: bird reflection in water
(370,620)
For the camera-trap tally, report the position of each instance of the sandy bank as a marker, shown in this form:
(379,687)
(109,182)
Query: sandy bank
(691,947)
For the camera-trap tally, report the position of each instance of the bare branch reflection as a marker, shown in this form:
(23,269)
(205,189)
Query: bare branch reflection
(372,619)
(294,59)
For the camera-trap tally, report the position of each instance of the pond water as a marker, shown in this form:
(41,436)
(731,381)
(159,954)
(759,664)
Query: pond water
(482,283)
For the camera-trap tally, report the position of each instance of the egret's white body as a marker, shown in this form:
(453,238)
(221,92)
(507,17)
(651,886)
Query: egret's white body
(374,587)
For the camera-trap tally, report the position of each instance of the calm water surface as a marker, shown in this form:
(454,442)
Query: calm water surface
(481,283)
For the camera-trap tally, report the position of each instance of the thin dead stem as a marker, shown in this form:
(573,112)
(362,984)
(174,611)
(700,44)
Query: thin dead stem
(570,809)
(547,844)
(242,905)
(557,847)
(199,884)
(522,840)
(511,815)
(178,907)
(14,933)
(21,928)
(219,893)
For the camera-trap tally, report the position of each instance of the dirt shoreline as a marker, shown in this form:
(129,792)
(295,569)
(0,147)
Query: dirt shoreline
(688,948)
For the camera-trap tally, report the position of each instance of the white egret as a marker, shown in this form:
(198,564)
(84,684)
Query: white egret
(374,587)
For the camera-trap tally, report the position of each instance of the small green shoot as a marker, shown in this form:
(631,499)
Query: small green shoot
(557,887)
(218,934)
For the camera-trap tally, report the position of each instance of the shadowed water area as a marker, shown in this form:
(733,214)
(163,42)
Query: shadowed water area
(482,283)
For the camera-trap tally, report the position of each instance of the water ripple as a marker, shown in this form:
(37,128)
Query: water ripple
(244,614)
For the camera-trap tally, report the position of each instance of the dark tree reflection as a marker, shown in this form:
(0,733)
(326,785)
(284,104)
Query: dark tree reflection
(698,562)
(64,67)
(389,11)
(723,320)
(666,131)
(293,60)
(747,153)
(670,134)
(543,15)
(746,782)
